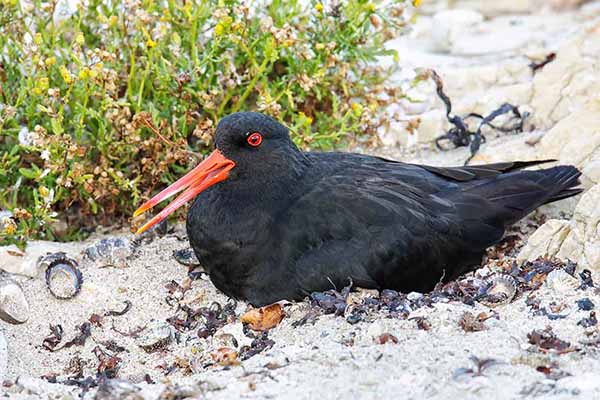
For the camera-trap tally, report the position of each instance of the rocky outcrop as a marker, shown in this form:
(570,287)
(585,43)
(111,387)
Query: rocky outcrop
(576,240)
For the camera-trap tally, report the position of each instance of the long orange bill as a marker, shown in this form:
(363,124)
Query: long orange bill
(215,168)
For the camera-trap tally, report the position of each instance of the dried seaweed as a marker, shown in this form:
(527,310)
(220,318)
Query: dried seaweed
(56,335)
(479,366)
(85,331)
(471,323)
(589,321)
(460,135)
(541,64)
(257,346)
(108,364)
(547,341)
(114,313)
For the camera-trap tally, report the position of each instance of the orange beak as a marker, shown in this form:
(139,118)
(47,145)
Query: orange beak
(215,168)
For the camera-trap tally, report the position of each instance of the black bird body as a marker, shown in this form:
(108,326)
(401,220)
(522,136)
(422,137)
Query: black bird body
(271,222)
(286,223)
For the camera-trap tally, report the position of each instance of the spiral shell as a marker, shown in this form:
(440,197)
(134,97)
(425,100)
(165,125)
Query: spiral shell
(561,281)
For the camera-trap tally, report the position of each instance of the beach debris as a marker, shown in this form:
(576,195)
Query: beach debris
(561,281)
(110,252)
(156,338)
(85,331)
(331,301)
(118,313)
(551,371)
(133,333)
(478,368)
(108,364)
(263,318)
(422,323)
(96,320)
(63,277)
(52,340)
(257,346)
(225,356)
(470,322)
(536,65)
(14,307)
(546,341)
(498,289)
(460,135)
(186,257)
(386,338)
(586,279)
(585,304)
(590,321)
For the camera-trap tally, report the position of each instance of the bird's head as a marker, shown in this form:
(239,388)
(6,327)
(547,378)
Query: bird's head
(248,147)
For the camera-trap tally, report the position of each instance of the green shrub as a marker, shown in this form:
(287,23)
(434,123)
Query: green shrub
(100,109)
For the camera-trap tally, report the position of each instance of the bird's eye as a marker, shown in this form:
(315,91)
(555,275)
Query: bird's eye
(254,139)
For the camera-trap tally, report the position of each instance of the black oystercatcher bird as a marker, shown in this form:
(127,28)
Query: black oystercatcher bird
(276,223)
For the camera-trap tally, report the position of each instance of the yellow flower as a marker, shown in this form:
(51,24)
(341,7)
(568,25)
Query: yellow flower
(357,108)
(319,46)
(41,85)
(371,7)
(416,3)
(84,73)
(79,39)
(319,7)
(50,61)
(219,29)
(112,21)
(44,191)
(150,44)
(10,226)
(66,75)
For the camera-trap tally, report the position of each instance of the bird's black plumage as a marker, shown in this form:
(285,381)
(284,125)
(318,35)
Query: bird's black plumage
(286,223)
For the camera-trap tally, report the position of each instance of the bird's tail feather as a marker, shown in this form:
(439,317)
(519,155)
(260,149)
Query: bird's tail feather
(517,193)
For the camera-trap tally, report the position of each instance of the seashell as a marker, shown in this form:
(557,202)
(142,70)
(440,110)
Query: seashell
(561,281)
(156,337)
(14,307)
(498,289)
(113,251)
(186,257)
(63,278)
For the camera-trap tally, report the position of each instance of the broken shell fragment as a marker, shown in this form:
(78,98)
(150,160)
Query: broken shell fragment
(14,307)
(63,278)
(498,290)
(156,338)
(561,281)
(110,252)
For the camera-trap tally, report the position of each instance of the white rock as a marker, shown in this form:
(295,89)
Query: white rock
(14,307)
(577,240)
(449,24)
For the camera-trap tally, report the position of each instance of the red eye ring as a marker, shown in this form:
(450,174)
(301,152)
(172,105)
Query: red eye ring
(255,139)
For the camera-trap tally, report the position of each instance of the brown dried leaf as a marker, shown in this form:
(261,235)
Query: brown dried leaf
(264,318)
(471,323)
(385,338)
